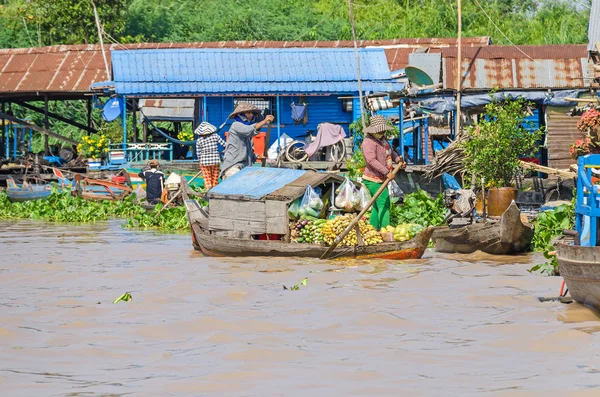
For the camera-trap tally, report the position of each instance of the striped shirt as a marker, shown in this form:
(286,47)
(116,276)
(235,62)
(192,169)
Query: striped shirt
(207,149)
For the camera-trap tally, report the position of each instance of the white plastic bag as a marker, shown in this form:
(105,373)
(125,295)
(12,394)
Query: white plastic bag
(139,192)
(311,204)
(394,190)
(347,198)
(364,197)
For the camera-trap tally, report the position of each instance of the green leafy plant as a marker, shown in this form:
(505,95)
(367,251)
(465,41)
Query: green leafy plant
(548,226)
(495,144)
(419,208)
(126,297)
(63,207)
(297,286)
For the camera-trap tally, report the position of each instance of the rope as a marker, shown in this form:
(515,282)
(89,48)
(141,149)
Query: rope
(174,140)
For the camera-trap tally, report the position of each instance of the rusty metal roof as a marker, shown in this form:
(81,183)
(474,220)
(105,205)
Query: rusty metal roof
(74,68)
(551,66)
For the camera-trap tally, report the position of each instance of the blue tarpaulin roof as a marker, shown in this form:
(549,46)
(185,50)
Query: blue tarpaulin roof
(261,71)
(256,182)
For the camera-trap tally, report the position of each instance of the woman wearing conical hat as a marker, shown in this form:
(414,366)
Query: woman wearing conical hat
(238,151)
(379,158)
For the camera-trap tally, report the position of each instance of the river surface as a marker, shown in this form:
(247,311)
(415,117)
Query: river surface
(445,325)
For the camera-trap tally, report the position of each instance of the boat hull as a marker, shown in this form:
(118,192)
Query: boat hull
(213,245)
(580,267)
(508,236)
(19,196)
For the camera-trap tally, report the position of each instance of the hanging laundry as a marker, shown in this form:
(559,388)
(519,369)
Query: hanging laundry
(299,114)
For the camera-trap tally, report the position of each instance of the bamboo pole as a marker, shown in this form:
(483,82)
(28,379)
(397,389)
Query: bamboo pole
(360,92)
(354,222)
(101,39)
(459,68)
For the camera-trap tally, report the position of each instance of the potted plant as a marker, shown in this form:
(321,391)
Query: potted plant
(494,146)
(94,147)
(581,147)
(589,123)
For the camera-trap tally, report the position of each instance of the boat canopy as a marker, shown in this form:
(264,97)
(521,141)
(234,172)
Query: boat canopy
(256,183)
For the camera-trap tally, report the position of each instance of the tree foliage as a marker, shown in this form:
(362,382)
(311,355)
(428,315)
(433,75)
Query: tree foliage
(495,144)
(25,23)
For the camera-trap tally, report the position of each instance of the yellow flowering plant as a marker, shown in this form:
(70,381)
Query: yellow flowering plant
(94,146)
(185,136)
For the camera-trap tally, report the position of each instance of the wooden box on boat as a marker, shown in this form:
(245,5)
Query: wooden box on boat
(256,200)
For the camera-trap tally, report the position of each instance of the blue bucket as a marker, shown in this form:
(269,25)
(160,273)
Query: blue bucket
(94,164)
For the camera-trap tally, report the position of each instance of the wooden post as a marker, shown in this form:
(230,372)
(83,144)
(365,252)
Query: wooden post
(46,126)
(89,115)
(4,130)
(134,119)
(196,113)
(145,130)
(459,68)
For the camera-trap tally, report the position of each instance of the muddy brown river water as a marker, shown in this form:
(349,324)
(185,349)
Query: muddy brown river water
(440,326)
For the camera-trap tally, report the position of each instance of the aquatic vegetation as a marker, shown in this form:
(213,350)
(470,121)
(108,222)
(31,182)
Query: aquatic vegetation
(296,287)
(547,227)
(126,297)
(63,207)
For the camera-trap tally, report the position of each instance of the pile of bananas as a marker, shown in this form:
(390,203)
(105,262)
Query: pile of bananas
(335,227)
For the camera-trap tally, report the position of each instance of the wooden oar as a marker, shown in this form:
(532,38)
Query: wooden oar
(339,238)
(183,186)
(266,149)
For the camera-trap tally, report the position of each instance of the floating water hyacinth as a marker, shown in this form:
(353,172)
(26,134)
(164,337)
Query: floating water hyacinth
(126,297)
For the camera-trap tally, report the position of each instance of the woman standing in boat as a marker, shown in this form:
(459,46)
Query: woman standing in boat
(238,151)
(207,151)
(379,158)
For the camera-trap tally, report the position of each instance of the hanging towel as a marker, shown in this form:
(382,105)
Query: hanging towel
(328,135)
(298,112)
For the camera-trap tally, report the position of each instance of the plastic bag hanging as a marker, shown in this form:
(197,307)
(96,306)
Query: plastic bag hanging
(394,190)
(293,211)
(311,204)
(347,198)
(364,197)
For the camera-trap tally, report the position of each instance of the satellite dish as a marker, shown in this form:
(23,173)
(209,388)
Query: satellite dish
(112,109)
(418,76)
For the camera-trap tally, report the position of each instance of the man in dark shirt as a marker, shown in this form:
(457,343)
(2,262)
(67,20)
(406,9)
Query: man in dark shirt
(155,181)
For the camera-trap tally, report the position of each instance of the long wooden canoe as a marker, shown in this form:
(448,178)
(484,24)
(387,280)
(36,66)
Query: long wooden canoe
(580,267)
(508,236)
(213,245)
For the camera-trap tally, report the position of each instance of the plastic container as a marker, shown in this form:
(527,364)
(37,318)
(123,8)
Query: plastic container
(118,179)
(269,236)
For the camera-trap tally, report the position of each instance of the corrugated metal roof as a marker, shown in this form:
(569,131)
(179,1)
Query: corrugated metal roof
(168,109)
(270,183)
(504,67)
(594,26)
(74,68)
(255,182)
(264,71)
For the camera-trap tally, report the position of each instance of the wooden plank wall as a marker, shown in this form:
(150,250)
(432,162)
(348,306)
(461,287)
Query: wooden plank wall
(276,217)
(562,133)
(237,216)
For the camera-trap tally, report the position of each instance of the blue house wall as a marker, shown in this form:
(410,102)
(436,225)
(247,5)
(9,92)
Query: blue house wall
(321,109)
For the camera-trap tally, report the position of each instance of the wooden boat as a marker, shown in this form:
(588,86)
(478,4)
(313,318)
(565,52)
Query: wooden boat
(95,189)
(580,267)
(508,236)
(220,246)
(26,191)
